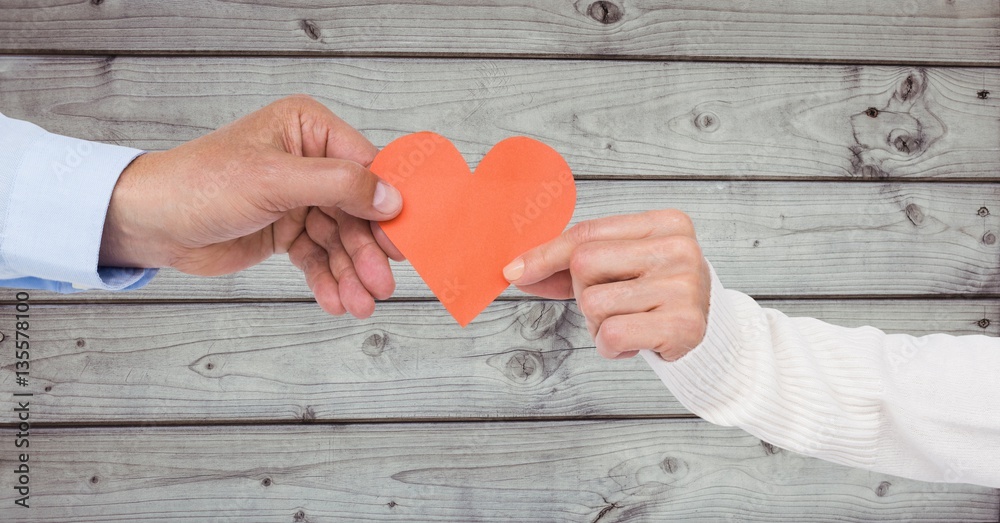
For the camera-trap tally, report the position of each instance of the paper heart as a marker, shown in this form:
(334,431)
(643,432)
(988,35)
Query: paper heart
(459,229)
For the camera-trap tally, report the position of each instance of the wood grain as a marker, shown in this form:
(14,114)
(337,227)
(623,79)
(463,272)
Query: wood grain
(189,363)
(609,119)
(768,239)
(272,411)
(858,31)
(652,470)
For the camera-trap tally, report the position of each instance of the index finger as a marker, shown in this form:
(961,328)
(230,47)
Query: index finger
(324,134)
(554,256)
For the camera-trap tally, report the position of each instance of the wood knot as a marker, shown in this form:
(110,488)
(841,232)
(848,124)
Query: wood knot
(989,238)
(81,343)
(872,172)
(769,449)
(866,171)
(94,480)
(756,243)
(882,489)
(522,365)
(374,345)
(984,94)
(604,12)
(670,465)
(527,366)
(209,366)
(910,88)
(983,323)
(391,504)
(543,320)
(904,142)
(96,3)
(707,122)
(48,388)
(983,212)
(915,214)
(299,517)
(604,511)
(266,482)
(310,28)
(872,112)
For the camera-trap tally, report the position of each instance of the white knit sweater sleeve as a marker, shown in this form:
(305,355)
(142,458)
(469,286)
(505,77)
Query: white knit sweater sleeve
(926,407)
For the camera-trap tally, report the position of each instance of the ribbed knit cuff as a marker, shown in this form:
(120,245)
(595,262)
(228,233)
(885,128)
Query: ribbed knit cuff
(759,370)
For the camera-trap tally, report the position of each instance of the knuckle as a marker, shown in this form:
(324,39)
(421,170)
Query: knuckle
(297,256)
(668,354)
(692,323)
(679,249)
(581,259)
(663,248)
(312,261)
(297,100)
(363,247)
(591,302)
(683,222)
(582,232)
(331,240)
(314,222)
(614,334)
(688,288)
(687,245)
(687,330)
(678,221)
(322,229)
(357,180)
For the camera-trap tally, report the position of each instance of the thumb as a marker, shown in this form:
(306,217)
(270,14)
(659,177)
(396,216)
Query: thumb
(330,182)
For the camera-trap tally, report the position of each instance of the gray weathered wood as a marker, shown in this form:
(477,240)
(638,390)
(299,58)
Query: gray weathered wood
(850,30)
(679,120)
(766,239)
(187,363)
(652,470)
(284,378)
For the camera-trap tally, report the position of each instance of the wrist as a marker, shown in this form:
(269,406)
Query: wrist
(130,239)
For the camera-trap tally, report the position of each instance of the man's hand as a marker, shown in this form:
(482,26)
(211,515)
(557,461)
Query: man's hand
(289,178)
(640,280)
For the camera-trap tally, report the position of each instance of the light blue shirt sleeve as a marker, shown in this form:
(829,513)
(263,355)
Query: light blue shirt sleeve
(54,195)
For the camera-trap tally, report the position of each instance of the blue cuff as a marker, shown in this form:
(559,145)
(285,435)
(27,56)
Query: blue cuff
(54,194)
(146,276)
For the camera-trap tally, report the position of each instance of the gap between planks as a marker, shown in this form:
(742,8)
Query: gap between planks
(984,297)
(100,53)
(355,421)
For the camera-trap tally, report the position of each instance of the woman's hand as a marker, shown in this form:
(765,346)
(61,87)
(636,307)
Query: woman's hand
(640,281)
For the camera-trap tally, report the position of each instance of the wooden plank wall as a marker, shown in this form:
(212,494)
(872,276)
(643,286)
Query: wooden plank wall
(237,399)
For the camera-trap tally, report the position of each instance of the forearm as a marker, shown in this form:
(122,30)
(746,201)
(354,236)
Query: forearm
(925,408)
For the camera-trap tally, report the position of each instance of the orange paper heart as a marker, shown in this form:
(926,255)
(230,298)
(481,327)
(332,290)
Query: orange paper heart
(459,229)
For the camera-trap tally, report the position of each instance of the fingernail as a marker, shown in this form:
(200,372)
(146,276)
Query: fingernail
(387,199)
(514,270)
